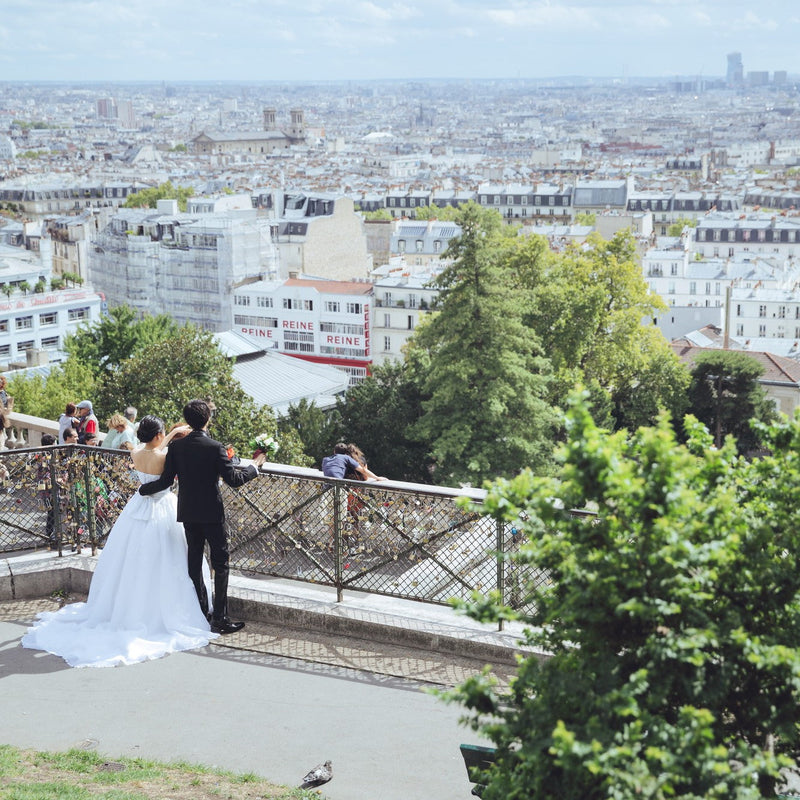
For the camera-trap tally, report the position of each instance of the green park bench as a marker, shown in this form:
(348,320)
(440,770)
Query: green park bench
(478,757)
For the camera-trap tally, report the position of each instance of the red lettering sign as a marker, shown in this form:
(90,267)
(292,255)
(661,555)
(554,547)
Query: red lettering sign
(349,341)
(298,325)
(258,333)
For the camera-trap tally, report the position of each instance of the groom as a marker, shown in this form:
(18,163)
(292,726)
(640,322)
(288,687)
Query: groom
(199,462)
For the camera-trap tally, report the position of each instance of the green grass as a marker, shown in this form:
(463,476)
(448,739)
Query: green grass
(86,775)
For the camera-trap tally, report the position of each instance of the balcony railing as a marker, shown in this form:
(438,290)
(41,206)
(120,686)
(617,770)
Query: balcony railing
(398,539)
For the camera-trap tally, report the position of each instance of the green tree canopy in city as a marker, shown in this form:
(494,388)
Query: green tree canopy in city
(445,213)
(148,198)
(159,378)
(589,307)
(317,429)
(671,620)
(481,370)
(47,397)
(677,227)
(380,214)
(725,395)
(107,342)
(378,415)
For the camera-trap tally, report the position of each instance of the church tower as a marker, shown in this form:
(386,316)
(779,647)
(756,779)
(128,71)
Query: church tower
(298,129)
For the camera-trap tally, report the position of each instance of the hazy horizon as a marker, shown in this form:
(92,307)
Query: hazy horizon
(320,40)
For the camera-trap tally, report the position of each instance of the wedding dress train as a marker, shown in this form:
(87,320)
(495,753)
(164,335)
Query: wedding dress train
(142,603)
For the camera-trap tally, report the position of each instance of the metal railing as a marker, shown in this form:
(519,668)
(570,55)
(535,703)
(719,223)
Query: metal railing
(398,539)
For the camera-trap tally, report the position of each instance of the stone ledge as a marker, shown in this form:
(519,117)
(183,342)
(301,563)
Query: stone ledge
(404,623)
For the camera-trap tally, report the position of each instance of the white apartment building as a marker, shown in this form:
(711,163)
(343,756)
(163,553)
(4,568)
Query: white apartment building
(322,321)
(31,321)
(728,235)
(422,244)
(681,280)
(320,235)
(771,313)
(399,302)
(669,207)
(521,203)
(748,154)
(764,301)
(42,321)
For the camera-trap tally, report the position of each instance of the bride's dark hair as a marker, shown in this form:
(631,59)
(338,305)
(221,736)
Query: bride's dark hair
(149,428)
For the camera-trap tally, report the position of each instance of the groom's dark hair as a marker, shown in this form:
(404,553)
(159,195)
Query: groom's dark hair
(197,414)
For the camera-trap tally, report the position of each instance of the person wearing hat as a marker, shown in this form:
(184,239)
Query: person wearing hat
(87,420)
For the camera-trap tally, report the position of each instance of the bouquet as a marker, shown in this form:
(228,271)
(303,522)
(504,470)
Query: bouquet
(263,443)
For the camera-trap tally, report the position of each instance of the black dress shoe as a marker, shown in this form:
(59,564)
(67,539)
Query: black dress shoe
(226,625)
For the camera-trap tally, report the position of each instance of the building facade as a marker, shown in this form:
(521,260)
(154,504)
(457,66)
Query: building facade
(322,321)
(399,301)
(184,265)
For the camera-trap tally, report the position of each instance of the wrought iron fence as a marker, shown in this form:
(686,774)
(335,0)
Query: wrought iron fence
(404,540)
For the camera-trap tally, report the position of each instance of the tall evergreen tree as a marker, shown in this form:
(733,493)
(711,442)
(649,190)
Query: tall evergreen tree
(479,366)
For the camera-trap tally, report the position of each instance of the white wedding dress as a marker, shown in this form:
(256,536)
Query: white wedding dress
(142,603)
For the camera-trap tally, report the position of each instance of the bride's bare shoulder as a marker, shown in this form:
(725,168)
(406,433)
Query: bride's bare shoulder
(150,461)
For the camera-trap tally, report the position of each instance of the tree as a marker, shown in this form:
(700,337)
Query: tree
(107,342)
(677,227)
(671,620)
(39,287)
(47,397)
(57,283)
(725,395)
(6,289)
(148,198)
(446,213)
(588,310)
(24,287)
(378,214)
(481,370)
(378,415)
(161,376)
(585,218)
(316,429)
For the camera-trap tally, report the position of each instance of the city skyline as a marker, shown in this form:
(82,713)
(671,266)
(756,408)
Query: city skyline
(276,40)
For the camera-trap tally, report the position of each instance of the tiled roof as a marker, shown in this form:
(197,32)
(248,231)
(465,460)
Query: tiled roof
(777,369)
(331,287)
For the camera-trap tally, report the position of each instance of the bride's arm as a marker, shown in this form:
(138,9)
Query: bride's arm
(181,430)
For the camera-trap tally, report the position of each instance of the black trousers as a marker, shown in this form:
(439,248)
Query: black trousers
(197,534)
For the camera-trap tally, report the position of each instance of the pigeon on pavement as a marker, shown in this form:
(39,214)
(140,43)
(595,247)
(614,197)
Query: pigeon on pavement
(322,773)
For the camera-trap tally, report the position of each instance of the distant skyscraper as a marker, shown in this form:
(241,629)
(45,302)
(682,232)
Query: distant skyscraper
(735,74)
(758,78)
(107,108)
(125,115)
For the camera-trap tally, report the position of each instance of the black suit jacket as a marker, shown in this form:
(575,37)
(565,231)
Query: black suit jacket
(199,462)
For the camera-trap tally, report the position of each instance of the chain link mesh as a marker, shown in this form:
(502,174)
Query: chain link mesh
(362,536)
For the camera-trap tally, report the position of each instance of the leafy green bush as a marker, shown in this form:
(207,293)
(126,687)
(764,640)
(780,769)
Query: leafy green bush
(665,660)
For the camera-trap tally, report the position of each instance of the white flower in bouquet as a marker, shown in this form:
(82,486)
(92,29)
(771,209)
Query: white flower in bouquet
(263,443)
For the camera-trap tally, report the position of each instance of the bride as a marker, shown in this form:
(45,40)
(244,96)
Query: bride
(142,603)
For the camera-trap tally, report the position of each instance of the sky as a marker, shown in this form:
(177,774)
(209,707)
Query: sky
(320,40)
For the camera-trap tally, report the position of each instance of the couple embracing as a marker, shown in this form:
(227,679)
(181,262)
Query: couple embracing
(143,601)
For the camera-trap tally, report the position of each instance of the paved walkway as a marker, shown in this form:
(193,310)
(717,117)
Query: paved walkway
(275,700)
